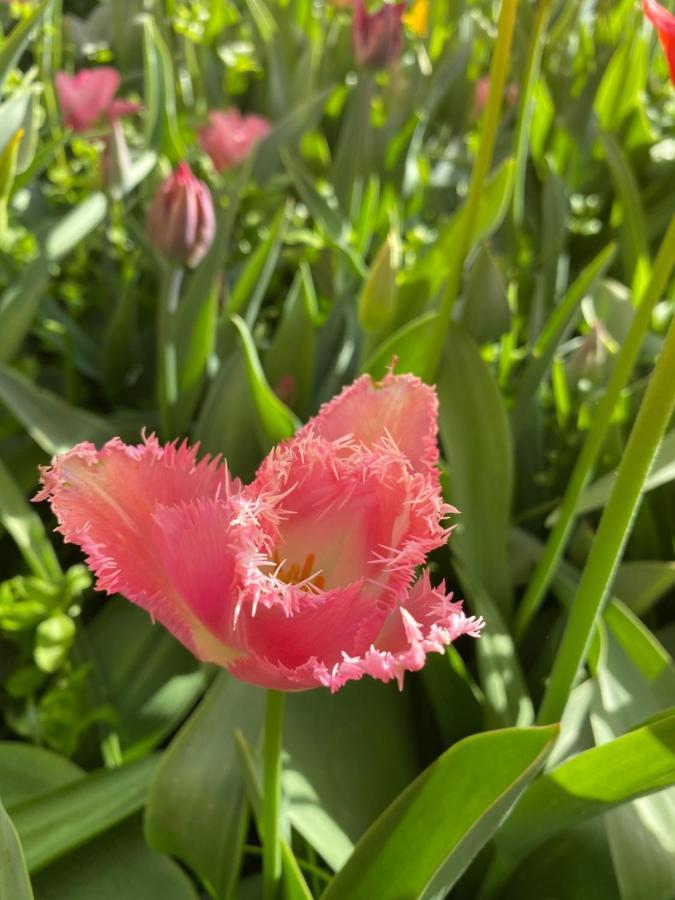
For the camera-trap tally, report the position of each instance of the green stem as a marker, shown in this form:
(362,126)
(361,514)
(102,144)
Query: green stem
(167,371)
(274,722)
(597,433)
(498,70)
(615,526)
(534,54)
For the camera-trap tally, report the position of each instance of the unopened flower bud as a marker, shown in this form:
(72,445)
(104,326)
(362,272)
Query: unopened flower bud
(181,221)
(378,37)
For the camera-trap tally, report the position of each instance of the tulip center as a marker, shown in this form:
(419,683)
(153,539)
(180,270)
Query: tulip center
(302,574)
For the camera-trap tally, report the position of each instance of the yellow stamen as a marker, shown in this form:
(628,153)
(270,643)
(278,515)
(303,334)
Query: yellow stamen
(300,575)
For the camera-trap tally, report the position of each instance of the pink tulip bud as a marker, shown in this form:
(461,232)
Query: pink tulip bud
(181,221)
(377,38)
(89,95)
(230,137)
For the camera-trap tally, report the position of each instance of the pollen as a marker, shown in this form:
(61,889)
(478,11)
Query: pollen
(300,574)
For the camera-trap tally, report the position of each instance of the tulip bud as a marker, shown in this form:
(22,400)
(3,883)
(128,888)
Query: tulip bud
(378,296)
(181,221)
(377,38)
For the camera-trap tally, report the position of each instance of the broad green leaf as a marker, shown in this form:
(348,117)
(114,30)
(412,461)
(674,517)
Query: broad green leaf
(195,809)
(289,363)
(13,46)
(20,301)
(285,133)
(14,881)
(149,679)
(228,422)
(423,842)
(161,123)
(485,313)
(54,425)
(17,113)
(477,445)
(662,472)
(623,82)
(114,866)
(26,528)
(277,420)
(27,772)
(592,783)
(339,771)
(53,824)
(635,679)
(409,346)
(642,584)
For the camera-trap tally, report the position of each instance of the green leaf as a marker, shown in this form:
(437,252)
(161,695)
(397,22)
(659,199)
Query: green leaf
(14,45)
(592,783)
(53,824)
(228,422)
(277,420)
(117,864)
(144,673)
(493,207)
(285,133)
(623,82)
(54,424)
(642,584)
(332,804)
(477,445)
(19,302)
(423,842)
(161,124)
(26,528)
(197,316)
(408,345)
(635,679)
(249,290)
(195,808)
(27,771)
(662,472)
(485,313)
(14,881)
(291,357)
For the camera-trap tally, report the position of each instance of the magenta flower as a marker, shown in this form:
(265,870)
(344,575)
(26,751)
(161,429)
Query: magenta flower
(181,221)
(89,95)
(305,577)
(229,137)
(377,38)
(664,22)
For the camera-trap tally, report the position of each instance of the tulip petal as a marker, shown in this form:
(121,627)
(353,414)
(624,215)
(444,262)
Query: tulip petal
(85,96)
(400,407)
(112,503)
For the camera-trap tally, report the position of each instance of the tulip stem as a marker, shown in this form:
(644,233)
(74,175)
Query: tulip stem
(167,370)
(274,725)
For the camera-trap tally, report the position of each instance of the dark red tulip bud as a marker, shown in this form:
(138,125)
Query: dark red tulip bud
(377,38)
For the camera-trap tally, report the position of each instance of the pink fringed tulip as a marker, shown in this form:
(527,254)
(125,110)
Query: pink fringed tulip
(377,38)
(305,577)
(181,221)
(664,22)
(229,137)
(89,96)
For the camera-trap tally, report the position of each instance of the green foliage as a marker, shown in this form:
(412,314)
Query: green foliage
(515,250)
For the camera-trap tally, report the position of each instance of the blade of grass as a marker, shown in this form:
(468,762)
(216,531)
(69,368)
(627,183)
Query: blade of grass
(595,439)
(613,531)
(534,54)
(498,70)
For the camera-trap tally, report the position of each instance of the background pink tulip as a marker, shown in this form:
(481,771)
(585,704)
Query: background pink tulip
(181,220)
(230,137)
(89,95)
(377,38)
(306,577)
